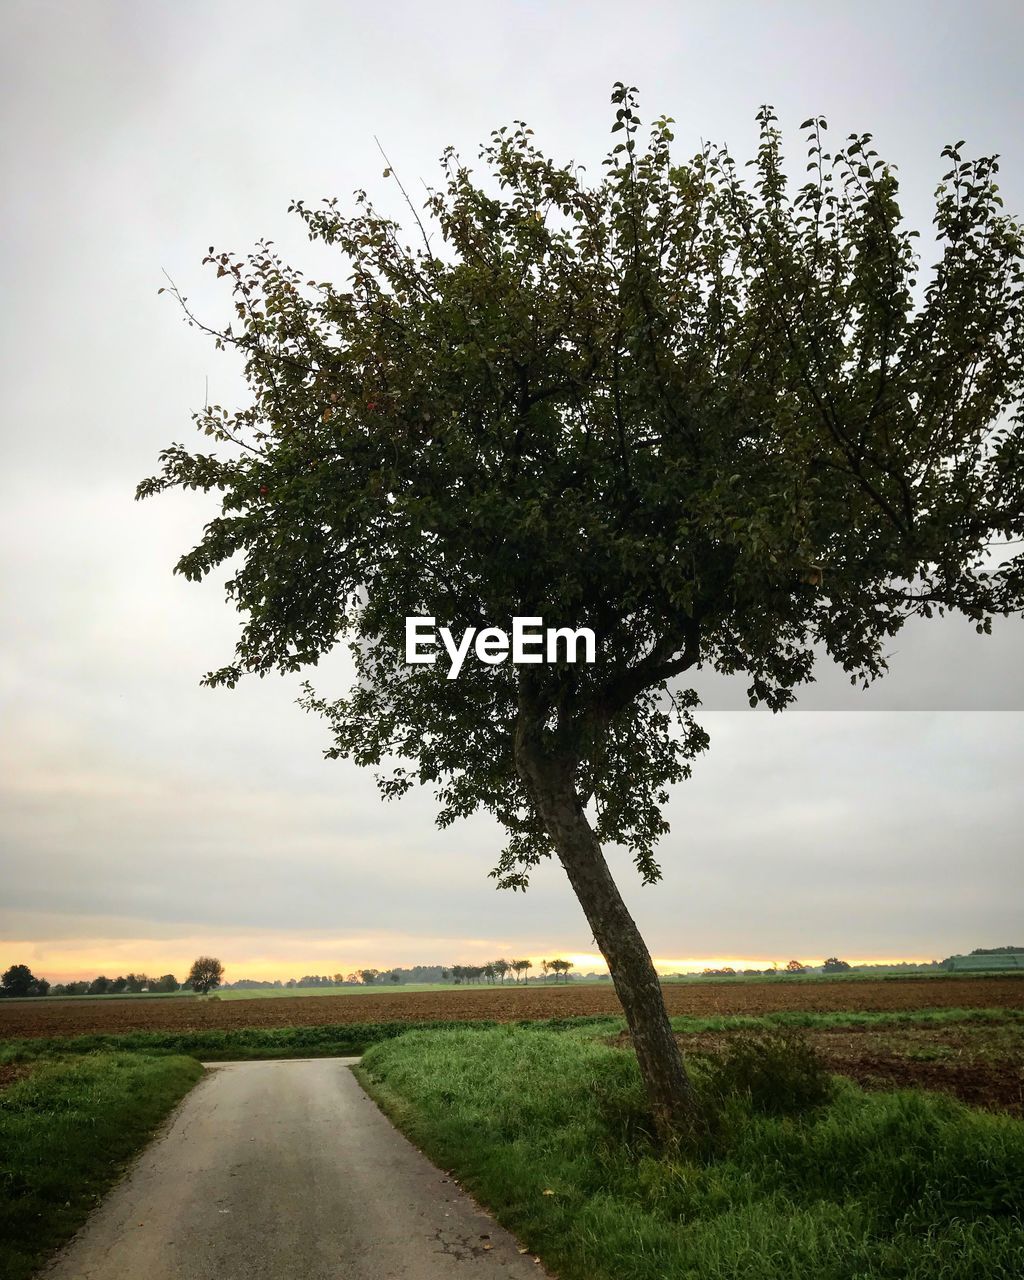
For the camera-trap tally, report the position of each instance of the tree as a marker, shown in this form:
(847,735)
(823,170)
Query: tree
(168,982)
(560,967)
(205,974)
(19,980)
(795,966)
(501,968)
(521,967)
(721,420)
(834,965)
(369,976)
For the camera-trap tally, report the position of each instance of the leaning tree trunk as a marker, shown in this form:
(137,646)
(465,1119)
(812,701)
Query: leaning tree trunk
(671,1094)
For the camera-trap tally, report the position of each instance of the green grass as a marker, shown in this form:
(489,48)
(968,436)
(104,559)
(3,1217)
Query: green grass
(212,1045)
(840,1018)
(106,995)
(351,1039)
(847,975)
(390,988)
(66,1131)
(852,1193)
(550,1132)
(688,979)
(277,993)
(375,989)
(344,1040)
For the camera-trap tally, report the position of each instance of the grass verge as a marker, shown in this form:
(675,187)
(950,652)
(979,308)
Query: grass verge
(850,1018)
(66,1131)
(344,1040)
(352,1039)
(550,1131)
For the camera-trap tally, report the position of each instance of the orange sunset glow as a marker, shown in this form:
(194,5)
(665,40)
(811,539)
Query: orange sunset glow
(264,960)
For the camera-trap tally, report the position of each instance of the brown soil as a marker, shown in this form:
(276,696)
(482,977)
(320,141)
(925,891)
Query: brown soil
(85,1015)
(998,1086)
(981,1065)
(11,1072)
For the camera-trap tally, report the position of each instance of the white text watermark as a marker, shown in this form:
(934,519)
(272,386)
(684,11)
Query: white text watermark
(530,642)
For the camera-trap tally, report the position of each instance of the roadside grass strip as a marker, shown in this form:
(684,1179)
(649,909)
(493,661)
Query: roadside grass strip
(67,1128)
(551,1133)
(352,1039)
(214,1045)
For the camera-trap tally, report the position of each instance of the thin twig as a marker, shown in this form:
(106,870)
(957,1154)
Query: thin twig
(412,207)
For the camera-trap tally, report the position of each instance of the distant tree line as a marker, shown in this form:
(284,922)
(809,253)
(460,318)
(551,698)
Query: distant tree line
(420,973)
(832,965)
(359,977)
(792,966)
(19,981)
(502,970)
(131,984)
(494,971)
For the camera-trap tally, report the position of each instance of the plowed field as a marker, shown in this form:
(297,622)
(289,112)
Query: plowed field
(980,1063)
(83,1015)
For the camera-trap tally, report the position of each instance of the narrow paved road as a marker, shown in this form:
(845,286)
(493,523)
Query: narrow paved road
(287,1171)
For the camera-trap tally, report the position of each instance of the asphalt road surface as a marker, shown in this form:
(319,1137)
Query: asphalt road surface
(287,1171)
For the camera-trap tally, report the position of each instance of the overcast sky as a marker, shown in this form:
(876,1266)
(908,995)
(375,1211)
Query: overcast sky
(143,819)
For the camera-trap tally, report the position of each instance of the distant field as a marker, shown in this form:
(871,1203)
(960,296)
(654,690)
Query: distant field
(674,979)
(681,979)
(83,1015)
(378,989)
(849,975)
(112,995)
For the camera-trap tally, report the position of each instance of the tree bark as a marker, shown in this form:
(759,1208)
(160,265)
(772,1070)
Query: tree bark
(672,1098)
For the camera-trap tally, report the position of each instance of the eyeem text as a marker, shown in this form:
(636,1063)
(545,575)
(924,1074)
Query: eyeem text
(530,642)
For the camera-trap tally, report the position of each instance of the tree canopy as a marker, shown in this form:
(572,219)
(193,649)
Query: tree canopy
(19,980)
(716,418)
(205,974)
